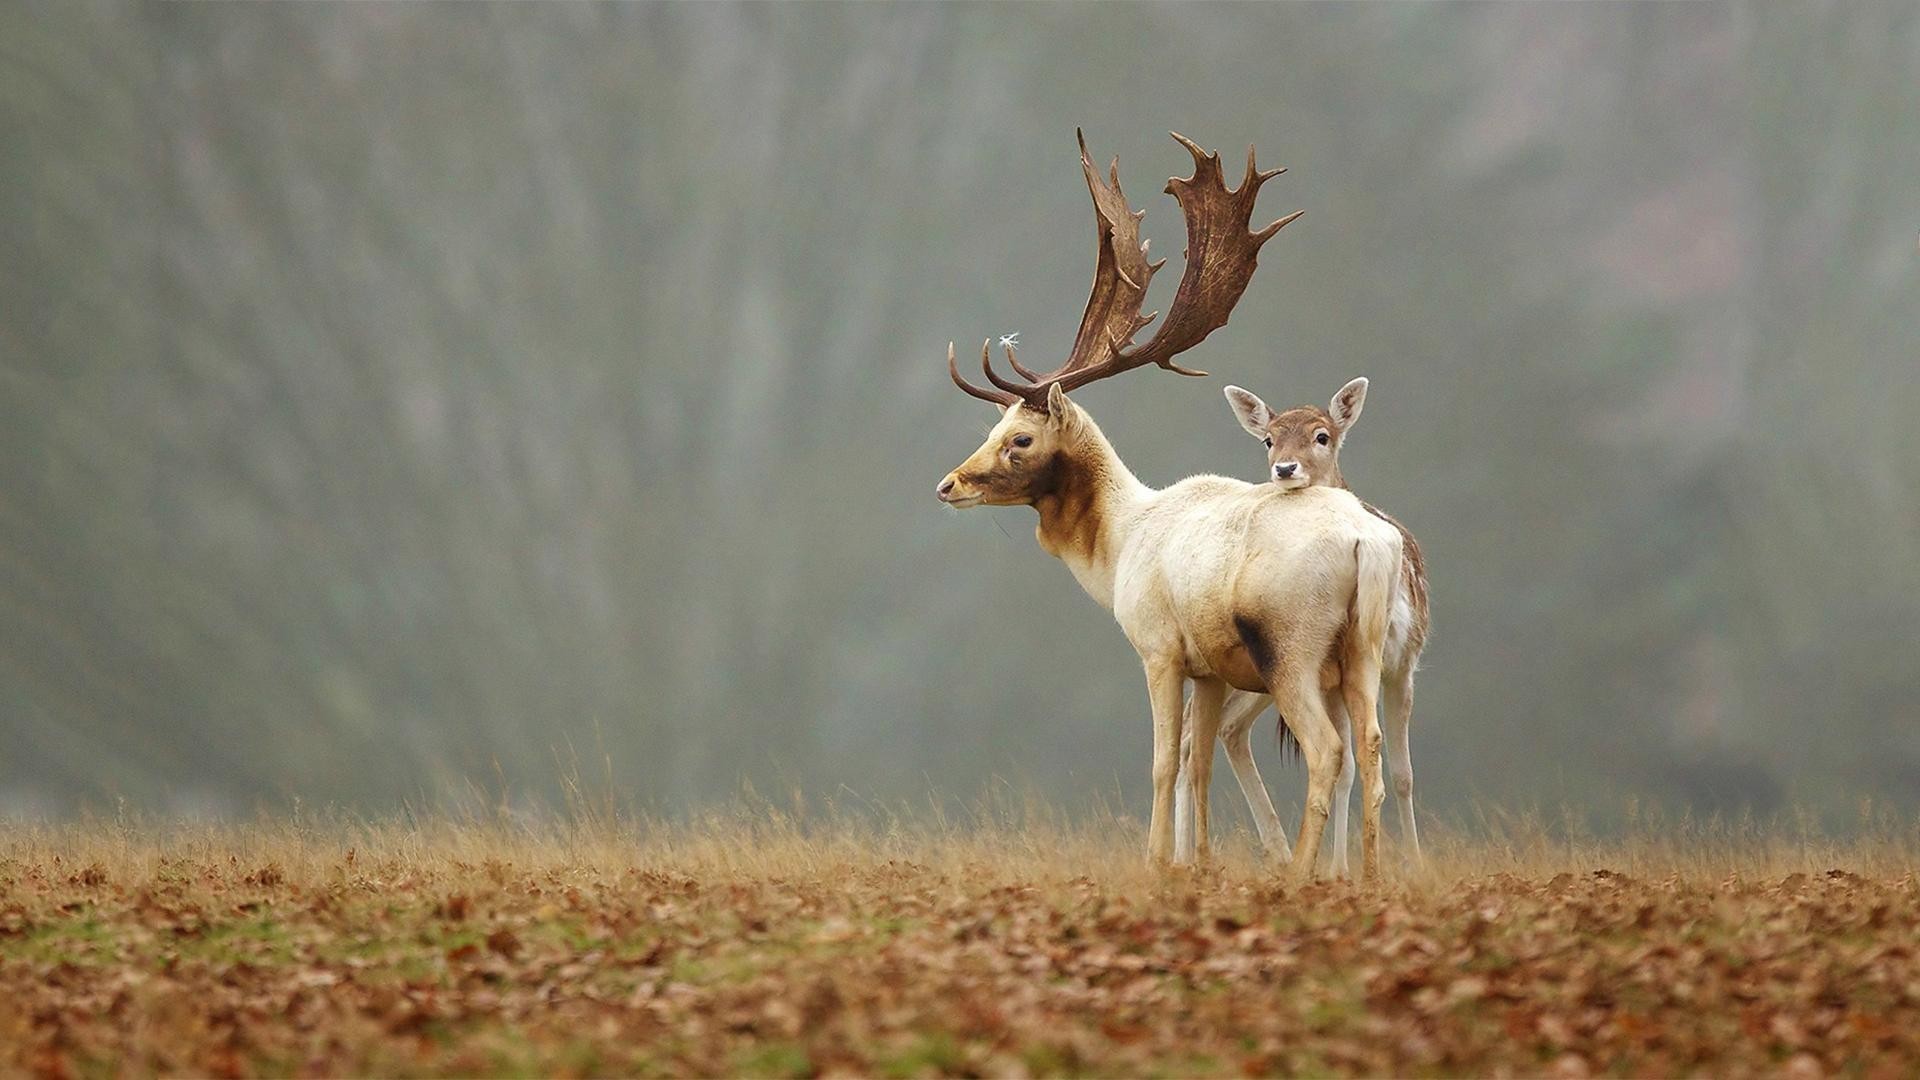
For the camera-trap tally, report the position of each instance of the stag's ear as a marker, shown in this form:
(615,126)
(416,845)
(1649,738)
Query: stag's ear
(1346,405)
(1252,413)
(1057,405)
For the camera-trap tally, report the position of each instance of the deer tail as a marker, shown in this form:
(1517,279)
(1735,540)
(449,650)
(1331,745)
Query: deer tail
(1377,565)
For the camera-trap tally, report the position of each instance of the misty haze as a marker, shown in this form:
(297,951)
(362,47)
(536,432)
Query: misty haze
(414,404)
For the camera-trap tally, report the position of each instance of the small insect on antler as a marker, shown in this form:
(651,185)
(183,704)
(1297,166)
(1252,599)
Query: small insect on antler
(1221,256)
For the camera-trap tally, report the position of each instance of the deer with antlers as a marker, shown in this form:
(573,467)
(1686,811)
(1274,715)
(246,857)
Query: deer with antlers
(1303,450)
(1229,585)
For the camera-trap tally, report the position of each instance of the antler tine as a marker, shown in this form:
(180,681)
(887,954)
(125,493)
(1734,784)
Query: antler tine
(1255,176)
(1154,266)
(1020,368)
(1200,157)
(997,397)
(986,365)
(1266,234)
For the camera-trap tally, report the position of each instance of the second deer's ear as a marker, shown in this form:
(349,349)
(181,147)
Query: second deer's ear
(1346,405)
(1252,413)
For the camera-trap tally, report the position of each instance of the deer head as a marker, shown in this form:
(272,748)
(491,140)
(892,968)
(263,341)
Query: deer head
(1014,465)
(1021,461)
(1303,443)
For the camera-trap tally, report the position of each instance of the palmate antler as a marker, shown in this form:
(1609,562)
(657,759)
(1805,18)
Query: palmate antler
(1221,254)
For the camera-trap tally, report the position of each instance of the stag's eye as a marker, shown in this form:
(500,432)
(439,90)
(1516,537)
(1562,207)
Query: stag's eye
(1269,441)
(1023,441)
(1321,438)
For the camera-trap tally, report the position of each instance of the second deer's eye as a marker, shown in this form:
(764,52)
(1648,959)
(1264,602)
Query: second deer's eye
(1321,438)
(1269,441)
(1023,441)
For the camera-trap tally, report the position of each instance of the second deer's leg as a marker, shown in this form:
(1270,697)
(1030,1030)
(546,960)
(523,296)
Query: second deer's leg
(1164,684)
(1396,699)
(1236,731)
(1183,793)
(1203,710)
(1342,785)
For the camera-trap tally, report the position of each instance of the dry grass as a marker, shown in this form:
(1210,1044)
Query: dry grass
(752,942)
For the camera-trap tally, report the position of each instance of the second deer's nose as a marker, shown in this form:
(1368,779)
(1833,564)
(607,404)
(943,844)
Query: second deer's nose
(945,489)
(1285,470)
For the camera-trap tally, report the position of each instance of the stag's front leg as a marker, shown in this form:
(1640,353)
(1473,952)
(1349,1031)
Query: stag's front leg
(1165,682)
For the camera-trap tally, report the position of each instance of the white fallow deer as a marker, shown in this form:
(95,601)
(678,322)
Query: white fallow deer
(1228,584)
(1303,451)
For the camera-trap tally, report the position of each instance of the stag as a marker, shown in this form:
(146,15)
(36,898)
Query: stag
(1303,450)
(1229,585)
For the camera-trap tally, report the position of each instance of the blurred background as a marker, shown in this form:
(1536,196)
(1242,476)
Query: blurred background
(402,401)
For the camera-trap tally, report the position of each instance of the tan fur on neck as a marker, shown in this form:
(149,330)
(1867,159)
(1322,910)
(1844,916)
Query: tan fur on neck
(1073,509)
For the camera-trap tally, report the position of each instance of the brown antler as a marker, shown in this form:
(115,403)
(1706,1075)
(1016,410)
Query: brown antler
(1120,274)
(1221,255)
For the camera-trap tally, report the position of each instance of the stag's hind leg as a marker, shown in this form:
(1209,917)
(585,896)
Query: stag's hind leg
(1361,688)
(1304,709)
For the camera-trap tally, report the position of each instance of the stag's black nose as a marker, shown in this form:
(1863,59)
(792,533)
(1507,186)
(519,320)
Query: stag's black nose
(945,489)
(1285,470)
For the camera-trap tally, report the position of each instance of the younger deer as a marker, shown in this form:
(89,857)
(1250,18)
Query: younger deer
(1303,450)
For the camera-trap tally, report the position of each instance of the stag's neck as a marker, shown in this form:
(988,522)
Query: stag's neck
(1085,510)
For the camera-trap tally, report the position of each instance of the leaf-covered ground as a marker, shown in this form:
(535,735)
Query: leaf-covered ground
(731,949)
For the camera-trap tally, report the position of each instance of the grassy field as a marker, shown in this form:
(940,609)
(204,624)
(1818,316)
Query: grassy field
(750,944)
